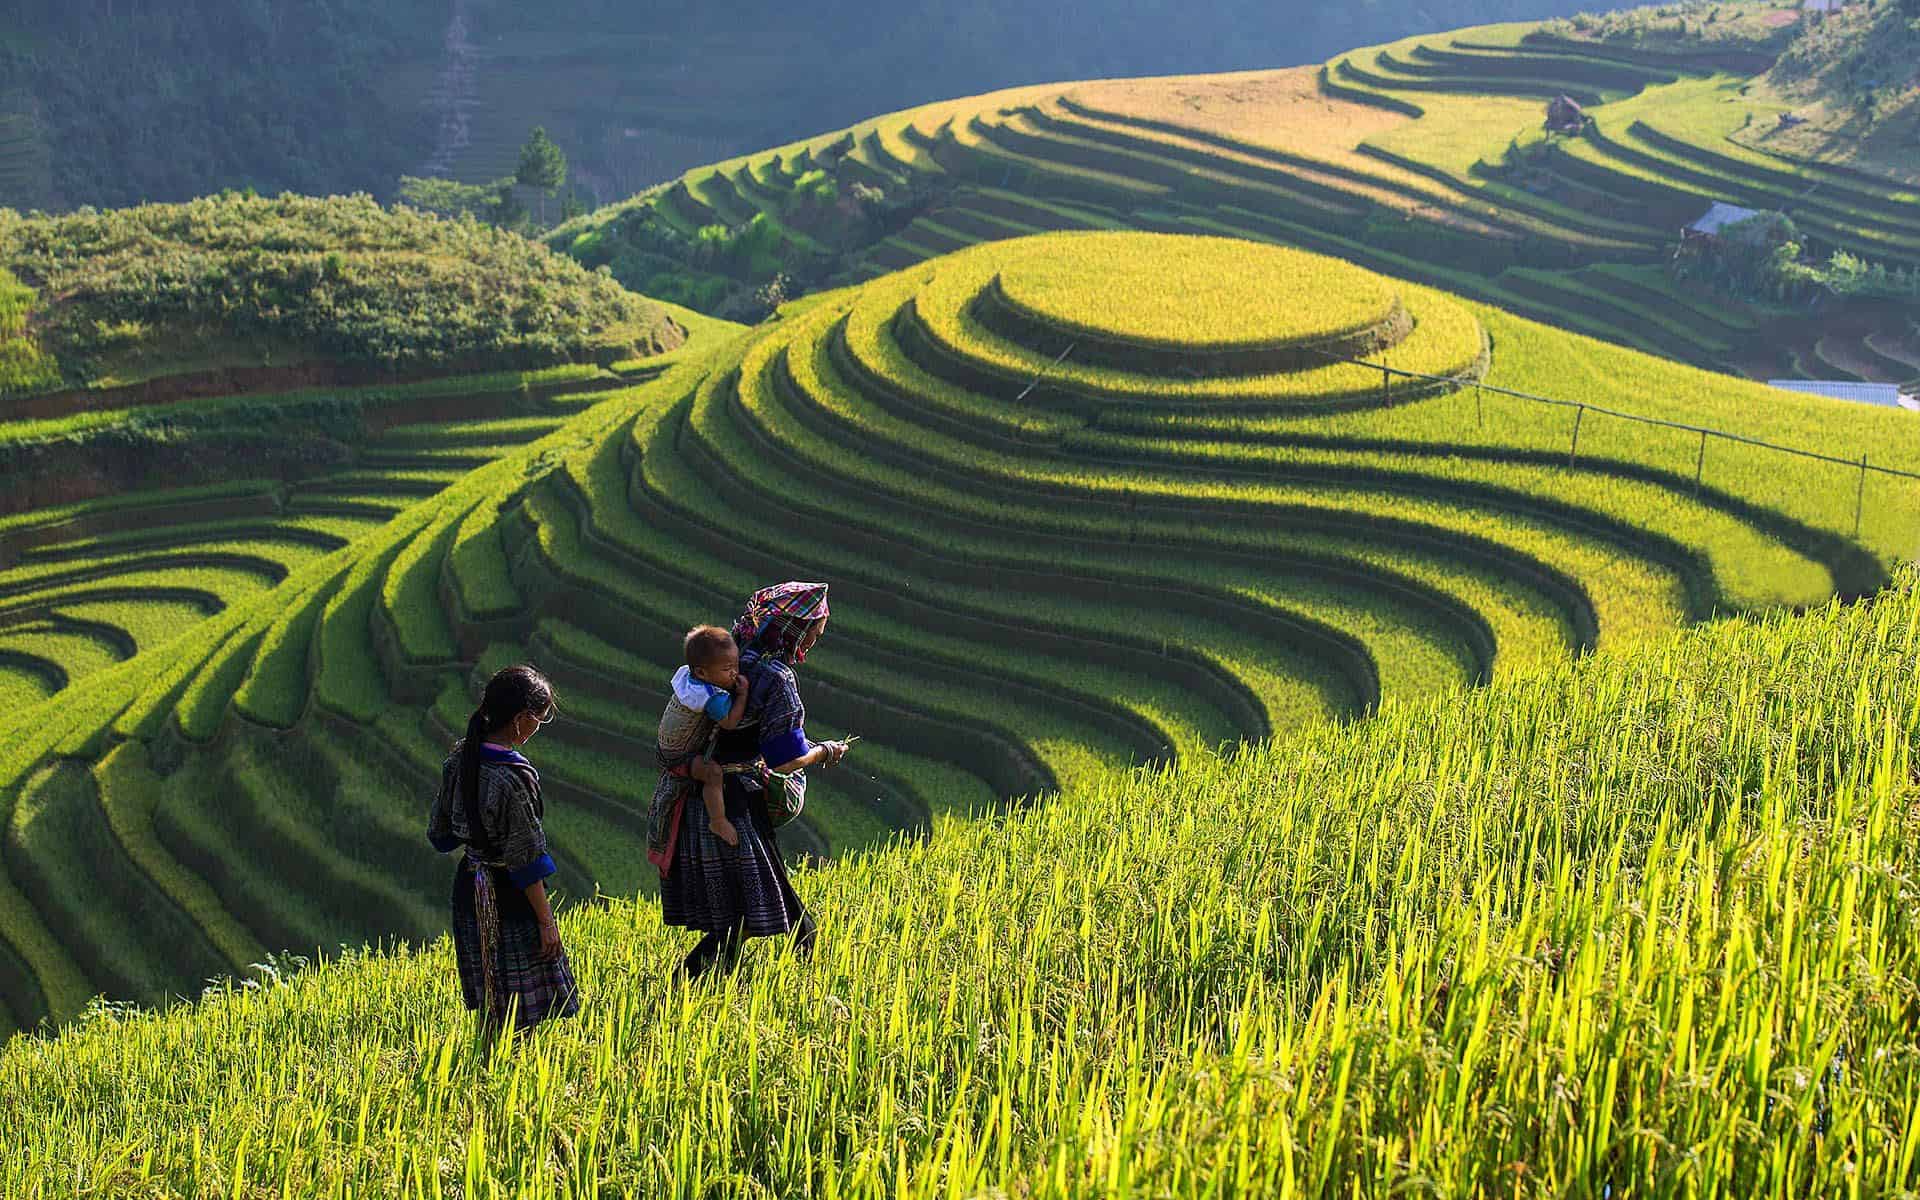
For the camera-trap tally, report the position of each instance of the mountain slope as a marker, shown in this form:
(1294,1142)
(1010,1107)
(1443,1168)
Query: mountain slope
(1462,947)
(1424,158)
(1049,566)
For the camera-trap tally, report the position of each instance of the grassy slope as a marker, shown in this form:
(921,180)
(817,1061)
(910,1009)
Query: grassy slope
(232,281)
(1415,951)
(877,503)
(1399,156)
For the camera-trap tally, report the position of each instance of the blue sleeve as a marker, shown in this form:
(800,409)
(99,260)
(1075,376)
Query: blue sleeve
(533,872)
(783,748)
(719,705)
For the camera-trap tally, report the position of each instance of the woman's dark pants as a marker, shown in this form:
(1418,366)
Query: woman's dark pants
(722,948)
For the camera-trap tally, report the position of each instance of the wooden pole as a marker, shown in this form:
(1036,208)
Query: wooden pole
(1479,407)
(1574,449)
(1700,463)
(1386,386)
(1860,497)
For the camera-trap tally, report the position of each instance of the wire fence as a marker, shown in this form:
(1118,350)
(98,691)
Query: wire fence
(1581,408)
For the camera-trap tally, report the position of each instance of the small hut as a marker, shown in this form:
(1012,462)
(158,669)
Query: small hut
(1715,221)
(1564,115)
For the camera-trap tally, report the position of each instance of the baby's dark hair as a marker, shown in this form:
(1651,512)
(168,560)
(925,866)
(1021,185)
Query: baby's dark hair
(705,645)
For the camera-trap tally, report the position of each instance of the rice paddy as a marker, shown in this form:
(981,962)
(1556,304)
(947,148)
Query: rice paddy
(1413,952)
(1277,775)
(1125,564)
(1425,159)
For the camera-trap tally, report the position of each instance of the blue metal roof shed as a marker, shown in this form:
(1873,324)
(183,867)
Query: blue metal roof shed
(1886,394)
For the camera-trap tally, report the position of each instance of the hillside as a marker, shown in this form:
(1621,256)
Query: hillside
(1426,159)
(104,102)
(1638,926)
(1851,84)
(234,292)
(1200,527)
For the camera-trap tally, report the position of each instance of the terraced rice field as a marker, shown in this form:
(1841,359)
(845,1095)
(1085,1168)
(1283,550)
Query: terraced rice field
(1048,564)
(1424,159)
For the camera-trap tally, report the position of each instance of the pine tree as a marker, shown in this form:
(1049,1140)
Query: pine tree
(543,165)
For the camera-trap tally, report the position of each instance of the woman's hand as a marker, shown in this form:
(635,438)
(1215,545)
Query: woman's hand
(549,940)
(835,751)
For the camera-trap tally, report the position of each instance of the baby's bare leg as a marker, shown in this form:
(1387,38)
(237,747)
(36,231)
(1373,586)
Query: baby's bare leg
(712,790)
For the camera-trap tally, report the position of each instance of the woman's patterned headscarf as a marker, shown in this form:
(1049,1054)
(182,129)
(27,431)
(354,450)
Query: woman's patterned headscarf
(777,618)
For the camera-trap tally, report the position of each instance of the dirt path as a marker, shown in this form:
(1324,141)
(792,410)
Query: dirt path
(454,97)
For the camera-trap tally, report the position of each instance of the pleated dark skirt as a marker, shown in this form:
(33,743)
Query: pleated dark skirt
(714,886)
(542,989)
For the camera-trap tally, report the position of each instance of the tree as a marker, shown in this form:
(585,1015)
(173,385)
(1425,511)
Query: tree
(492,202)
(543,165)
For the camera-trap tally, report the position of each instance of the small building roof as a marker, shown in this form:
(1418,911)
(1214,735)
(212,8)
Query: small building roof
(1886,394)
(1720,216)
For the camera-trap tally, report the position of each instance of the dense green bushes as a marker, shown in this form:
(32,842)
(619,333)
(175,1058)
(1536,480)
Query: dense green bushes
(341,278)
(24,367)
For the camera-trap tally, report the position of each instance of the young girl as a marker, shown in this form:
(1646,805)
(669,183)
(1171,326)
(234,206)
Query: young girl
(506,943)
(708,693)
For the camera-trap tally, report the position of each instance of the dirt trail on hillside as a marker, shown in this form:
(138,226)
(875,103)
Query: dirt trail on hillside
(455,95)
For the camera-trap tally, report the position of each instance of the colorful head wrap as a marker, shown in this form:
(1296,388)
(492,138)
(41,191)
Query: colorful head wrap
(777,618)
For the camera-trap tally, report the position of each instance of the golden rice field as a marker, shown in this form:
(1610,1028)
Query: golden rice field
(1640,926)
(1192,293)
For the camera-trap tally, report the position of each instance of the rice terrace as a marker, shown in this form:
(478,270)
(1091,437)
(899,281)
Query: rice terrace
(1332,630)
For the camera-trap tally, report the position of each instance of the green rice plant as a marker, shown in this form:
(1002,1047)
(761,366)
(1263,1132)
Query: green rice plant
(144,622)
(409,594)
(86,513)
(274,692)
(1100,651)
(316,531)
(1518,637)
(1426,656)
(204,702)
(1446,340)
(1115,286)
(1007,491)
(130,793)
(77,652)
(27,679)
(477,564)
(1057,735)
(1392,972)
(350,682)
(235,568)
(130,939)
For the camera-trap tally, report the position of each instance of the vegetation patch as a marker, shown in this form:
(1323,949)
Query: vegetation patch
(300,279)
(1189,294)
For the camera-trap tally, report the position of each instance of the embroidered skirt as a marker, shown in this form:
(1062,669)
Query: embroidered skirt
(524,983)
(714,886)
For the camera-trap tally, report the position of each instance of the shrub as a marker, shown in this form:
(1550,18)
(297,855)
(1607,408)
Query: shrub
(342,277)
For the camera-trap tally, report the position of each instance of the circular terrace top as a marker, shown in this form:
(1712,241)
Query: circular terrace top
(1194,294)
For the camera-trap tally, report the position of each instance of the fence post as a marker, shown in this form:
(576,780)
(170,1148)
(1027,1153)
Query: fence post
(1859,497)
(1574,449)
(1386,386)
(1479,401)
(1700,463)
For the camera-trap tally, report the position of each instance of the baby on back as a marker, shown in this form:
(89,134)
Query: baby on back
(708,693)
